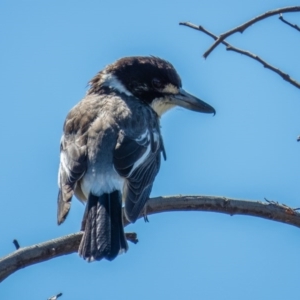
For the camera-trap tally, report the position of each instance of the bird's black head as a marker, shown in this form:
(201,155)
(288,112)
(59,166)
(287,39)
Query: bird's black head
(152,80)
(146,77)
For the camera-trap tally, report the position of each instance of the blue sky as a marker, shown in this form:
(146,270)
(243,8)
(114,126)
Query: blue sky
(51,49)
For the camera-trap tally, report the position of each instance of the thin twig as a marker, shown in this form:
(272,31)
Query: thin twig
(244,26)
(69,244)
(295,26)
(229,47)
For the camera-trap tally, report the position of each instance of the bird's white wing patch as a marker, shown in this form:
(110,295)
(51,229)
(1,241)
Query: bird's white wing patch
(63,166)
(145,140)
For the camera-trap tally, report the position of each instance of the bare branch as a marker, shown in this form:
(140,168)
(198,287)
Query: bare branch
(229,47)
(244,26)
(295,26)
(68,244)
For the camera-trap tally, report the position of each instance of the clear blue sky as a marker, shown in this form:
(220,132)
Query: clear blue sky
(50,50)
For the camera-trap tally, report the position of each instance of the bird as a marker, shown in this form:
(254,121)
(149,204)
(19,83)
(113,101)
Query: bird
(111,148)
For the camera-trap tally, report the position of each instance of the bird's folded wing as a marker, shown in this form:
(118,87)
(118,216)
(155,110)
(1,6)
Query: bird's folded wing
(73,162)
(138,160)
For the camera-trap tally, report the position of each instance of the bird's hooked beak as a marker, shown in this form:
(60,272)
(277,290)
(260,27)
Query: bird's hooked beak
(188,101)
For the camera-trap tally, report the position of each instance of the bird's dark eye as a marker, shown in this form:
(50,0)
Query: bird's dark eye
(157,84)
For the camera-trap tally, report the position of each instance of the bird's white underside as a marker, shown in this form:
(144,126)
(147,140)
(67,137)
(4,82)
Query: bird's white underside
(99,183)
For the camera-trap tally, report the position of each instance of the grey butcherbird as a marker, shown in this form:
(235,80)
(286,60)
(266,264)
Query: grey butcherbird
(111,148)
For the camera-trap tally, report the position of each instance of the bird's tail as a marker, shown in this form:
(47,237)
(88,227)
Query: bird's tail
(103,228)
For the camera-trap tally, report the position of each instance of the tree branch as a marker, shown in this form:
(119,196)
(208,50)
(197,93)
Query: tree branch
(295,26)
(68,244)
(244,26)
(229,47)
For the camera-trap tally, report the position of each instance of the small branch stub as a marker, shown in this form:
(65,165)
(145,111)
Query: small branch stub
(16,243)
(55,297)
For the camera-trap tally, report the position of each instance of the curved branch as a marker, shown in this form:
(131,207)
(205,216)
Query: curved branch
(68,244)
(244,26)
(229,47)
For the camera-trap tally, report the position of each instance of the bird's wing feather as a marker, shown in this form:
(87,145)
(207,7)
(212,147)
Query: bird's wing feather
(72,168)
(138,160)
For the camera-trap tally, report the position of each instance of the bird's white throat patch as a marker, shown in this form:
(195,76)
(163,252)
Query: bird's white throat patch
(110,80)
(161,105)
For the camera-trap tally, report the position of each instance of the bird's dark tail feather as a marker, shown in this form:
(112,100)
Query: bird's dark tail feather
(103,228)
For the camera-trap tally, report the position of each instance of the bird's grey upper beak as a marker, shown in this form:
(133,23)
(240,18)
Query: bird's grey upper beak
(188,101)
